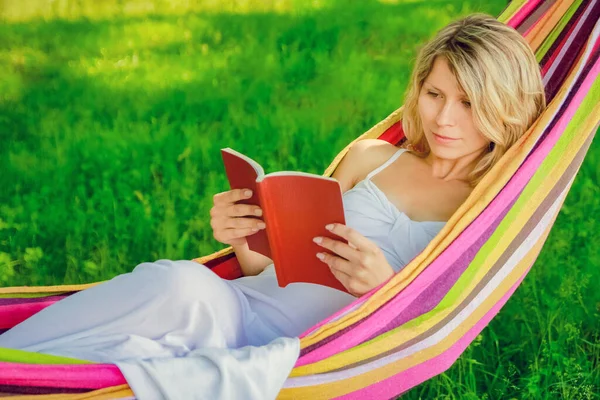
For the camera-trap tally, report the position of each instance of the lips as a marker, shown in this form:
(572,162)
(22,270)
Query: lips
(444,137)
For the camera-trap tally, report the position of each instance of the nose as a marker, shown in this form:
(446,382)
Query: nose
(446,114)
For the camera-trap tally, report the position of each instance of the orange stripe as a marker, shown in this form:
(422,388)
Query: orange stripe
(542,29)
(113,392)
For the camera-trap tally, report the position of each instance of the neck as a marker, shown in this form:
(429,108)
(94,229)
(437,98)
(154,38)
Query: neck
(452,169)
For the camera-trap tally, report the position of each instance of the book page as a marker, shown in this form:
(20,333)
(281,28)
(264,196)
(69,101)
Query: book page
(256,166)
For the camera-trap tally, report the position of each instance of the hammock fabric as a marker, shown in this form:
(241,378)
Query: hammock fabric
(417,324)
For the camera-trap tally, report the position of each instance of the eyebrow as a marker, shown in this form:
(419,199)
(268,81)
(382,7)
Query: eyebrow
(440,90)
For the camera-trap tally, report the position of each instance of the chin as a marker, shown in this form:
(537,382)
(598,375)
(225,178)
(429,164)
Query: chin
(444,152)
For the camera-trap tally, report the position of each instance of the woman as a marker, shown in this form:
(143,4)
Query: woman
(475,90)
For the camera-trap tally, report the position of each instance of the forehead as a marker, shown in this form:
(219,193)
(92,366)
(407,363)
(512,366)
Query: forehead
(442,78)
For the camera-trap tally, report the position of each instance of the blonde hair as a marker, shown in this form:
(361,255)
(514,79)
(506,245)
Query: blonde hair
(497,70)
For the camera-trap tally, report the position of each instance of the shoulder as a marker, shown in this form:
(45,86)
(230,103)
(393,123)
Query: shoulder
(363,157)
(369,154)
(372,145)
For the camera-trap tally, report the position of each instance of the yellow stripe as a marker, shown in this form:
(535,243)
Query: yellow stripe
(216,254)
(46,289)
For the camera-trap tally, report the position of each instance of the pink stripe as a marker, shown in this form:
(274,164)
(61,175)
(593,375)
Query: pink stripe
(14,314)
(445,260)
(596,45)
(408,379)
(523,13)
(77,376)
(7,301)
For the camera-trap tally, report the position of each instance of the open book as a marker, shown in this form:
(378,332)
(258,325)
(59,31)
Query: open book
(296,207)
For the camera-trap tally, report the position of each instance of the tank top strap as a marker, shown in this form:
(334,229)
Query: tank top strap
(393,158)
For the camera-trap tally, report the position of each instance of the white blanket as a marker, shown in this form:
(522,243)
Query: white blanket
(253,373)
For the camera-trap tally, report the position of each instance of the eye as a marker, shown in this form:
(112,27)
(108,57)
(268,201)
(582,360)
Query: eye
(467,104)
(432,94)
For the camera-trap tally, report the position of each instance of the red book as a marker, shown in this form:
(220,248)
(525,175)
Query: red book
(296,207)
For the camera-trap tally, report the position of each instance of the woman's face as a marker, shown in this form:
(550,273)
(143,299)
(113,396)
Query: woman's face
(446,115)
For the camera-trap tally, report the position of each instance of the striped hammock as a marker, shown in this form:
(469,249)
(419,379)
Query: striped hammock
(418,323)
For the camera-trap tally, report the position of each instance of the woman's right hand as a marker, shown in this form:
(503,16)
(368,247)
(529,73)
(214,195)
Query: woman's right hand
(230,221)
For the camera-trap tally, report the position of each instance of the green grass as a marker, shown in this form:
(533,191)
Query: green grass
(112,117)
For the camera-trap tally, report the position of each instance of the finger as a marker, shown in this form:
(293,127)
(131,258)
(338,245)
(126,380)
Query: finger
(340,248)
(352,236)
(241,223)
(231,196)
(242,210)
(235,210)
(345,279)
(342,277)
(228,236)
(338,263)
(237,233)
(329,259)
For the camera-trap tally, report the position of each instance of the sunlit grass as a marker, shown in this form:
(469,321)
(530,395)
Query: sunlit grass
(28,10)
(112,115)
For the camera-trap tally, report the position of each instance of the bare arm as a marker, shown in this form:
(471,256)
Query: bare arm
(251,262)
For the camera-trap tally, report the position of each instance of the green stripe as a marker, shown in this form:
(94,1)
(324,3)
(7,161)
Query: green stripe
(543,49)
(510,10)
(26,357)
(28,295)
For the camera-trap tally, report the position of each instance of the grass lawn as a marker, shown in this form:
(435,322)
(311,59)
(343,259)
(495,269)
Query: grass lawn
(112,115)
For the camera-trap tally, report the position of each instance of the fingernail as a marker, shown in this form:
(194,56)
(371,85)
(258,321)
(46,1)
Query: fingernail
(258,212)
(261,225)
(329,227)
(320,256)
(254,229)
(318,239)
(248,193)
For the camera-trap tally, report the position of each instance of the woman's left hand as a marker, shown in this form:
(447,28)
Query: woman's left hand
(359,265)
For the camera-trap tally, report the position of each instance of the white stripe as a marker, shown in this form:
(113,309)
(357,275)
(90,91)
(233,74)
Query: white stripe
(586,55)
(564,49)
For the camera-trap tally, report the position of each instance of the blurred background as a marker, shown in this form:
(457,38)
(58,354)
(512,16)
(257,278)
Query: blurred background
(112,114)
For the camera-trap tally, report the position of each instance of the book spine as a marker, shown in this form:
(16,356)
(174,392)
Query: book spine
(272,227)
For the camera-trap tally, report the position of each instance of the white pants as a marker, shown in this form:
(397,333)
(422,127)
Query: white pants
(165,308)
(168,308)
